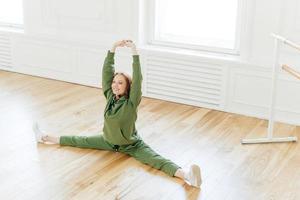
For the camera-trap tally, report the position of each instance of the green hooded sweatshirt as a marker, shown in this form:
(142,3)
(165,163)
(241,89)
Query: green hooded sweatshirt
(120,115)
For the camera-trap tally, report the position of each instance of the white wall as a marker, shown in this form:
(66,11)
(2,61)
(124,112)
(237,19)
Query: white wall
(68,39)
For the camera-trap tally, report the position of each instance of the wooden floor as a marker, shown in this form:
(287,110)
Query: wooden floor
(184,134)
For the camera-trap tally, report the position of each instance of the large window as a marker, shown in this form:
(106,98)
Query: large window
(11,13)
(210,25)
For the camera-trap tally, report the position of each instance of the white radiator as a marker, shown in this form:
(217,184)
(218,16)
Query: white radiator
(188,82)
(5,51)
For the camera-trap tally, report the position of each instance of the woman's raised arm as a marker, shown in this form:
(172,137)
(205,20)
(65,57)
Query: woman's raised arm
(137,78)
(108,69)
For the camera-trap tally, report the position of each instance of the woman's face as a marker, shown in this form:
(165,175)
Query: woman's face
(118,85)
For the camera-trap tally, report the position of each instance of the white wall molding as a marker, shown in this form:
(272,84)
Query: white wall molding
(249,94)
(90,15)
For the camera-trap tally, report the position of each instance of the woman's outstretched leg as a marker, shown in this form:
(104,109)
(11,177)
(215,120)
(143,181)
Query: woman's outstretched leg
(146,155)
(92,142)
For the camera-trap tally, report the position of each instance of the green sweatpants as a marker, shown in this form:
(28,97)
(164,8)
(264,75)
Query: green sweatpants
(139,150)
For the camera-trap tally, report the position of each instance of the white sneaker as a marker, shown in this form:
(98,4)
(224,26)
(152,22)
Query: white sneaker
(38,133)
(193,176)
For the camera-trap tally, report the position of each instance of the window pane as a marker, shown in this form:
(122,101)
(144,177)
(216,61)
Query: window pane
(11,11)
(200,22)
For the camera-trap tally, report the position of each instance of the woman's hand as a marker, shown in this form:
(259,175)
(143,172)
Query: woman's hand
(127,43)
(120,43)
(130,44)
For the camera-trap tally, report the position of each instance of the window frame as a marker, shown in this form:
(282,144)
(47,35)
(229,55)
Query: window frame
(4,24)
(11,25)
(152,40)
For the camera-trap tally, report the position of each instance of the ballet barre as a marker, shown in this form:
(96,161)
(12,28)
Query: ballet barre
(286,41)
(291,71)
(270,138)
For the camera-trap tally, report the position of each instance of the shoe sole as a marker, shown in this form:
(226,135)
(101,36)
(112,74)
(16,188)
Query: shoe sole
(196,173)
(36,131)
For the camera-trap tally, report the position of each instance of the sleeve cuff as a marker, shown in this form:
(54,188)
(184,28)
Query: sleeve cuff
(136,58)
(110,54)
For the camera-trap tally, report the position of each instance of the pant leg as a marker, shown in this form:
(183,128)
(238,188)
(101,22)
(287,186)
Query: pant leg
(92,142)
(143,153)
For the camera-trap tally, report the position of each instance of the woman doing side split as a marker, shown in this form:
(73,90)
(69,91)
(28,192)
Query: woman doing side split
(123,97)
